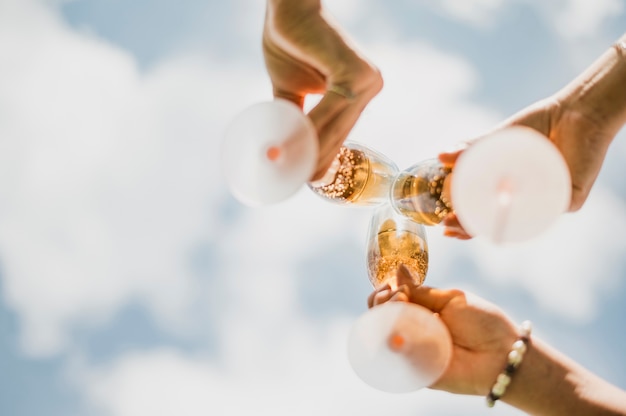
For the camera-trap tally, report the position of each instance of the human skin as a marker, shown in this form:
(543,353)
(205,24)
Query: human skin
(306,52)
(581,119)
(545,383)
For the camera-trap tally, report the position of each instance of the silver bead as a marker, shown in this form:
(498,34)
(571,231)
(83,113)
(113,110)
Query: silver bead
(526,328)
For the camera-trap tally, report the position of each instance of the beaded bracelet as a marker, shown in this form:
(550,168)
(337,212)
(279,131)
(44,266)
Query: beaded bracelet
(515,357)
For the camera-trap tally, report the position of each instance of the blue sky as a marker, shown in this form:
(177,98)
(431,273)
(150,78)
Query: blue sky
(132,283)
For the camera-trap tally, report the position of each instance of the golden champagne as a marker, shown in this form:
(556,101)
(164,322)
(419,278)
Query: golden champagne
(393,247)
(361,177)
(421,192)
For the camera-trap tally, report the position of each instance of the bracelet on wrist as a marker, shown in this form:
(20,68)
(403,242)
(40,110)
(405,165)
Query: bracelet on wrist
(514,359)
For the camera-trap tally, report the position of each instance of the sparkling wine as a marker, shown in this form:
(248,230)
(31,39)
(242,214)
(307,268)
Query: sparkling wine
(422,192)
(394,246)
(359,176)
(398,347)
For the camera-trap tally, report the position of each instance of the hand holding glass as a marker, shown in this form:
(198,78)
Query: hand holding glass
(508,187)
(398,347)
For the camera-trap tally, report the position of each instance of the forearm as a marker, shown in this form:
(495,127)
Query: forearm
(600,91)
(550,384)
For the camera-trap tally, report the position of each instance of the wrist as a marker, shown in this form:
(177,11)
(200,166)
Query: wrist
(514,359)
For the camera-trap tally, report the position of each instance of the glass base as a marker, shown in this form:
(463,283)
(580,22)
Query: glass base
(399,347)
(510,186)
(269,152)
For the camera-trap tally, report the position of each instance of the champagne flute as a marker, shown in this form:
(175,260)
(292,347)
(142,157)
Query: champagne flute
(398,347)
(508,187)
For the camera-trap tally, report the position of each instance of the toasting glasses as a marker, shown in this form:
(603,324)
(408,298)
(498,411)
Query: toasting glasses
(509,186)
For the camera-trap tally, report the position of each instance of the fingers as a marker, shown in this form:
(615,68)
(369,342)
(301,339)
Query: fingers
(403,276)
(400,292)
(291,78)
(334,116)
(294,98)
(434,299)
(379,296)
(388,295)
(456,234)
(407,291)
(315,56)
(453,228)
(328,109)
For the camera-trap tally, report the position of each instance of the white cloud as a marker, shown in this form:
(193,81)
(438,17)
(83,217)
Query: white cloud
(311,377)
(582,19)
(571,19)
(479,13)
(348,11)
(571,267)
(424,106)
(108,175)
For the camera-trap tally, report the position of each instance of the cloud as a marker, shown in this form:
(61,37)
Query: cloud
(571,19)
(109,175)
(582,19)
(479,13)
(109,181)
(425,105)
(311,377)
(572,266)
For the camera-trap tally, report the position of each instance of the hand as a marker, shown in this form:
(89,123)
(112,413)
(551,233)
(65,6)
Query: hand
(306,53)
(581,120)
(582,140)
(481,333)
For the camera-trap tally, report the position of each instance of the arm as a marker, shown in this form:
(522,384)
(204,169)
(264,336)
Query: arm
(591,110)
(546,383)
(600,91)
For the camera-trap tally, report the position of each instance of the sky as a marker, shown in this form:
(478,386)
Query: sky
(132,282)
